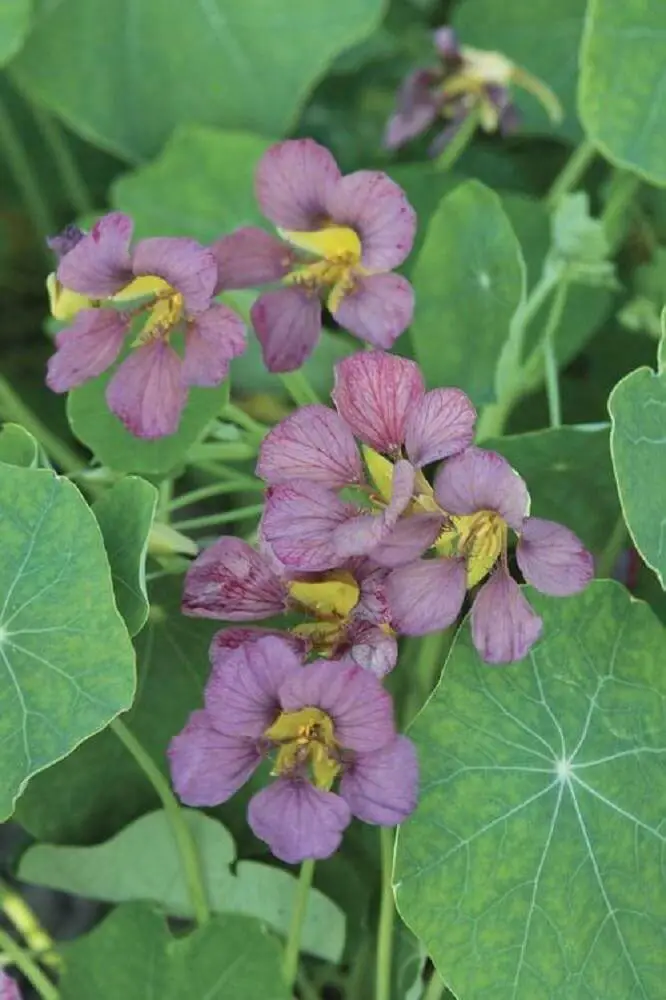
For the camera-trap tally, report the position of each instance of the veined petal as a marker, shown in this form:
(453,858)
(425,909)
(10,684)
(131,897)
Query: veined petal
(187,266)
(64,241)
(313,443)
(212,341)
(232,581)
(377,208)
(86,348)
(427,595)
(374,393)
(98,265)
(552,558)
(232,638)
(408,539)
(378,309)
(147,392)
(294,181)
(482,480)
(298,524)
(504,626)
(207,766)
(298,821)
(372,647)
(417,109)
(441,424)
(287,323)
(250,257)
(361,534)
(382,787)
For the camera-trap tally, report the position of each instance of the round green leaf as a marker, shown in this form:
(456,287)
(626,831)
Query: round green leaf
(533,866)
(637,407)
(142,67)
(66,663)
(14,24)
(18,447)
(125,515)
(623,83)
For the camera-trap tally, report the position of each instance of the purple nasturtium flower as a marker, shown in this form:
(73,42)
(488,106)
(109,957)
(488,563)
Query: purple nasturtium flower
(9,989)
(325,724)
(103,285)
(232,581)
(466,82)
(484,498)
(310,457)
(341,238)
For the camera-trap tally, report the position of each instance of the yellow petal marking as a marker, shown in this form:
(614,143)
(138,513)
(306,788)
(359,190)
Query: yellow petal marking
(336,596)
(337,244)
(306,738)
(63,303)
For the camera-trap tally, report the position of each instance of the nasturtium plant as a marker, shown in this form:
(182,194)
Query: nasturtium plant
(18,447)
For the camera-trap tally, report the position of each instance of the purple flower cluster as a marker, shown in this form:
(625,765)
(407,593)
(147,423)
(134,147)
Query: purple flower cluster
(324,725)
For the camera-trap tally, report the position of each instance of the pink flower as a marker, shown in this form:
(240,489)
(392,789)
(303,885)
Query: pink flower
(170,283)
(340,239)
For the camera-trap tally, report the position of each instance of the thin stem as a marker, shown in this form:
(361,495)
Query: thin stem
(13,408)
(623,189)
(187,848)
(216,489)
(25,178)
(299,388)
(435,989)
(226,517)
(72,179)
(386,918)
(39,942)
(242,419)
(293,946)
(550,357)
(572,173)
(614,545)
(459,143)
(30,969)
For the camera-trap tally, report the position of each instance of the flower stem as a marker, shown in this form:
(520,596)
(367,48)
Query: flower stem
(13,408)
(293,946)
(72,180)
(612,549)
(299,388)
(28,966)
(386,918)
(459,143)
(239,485)
(242,419)
(550,357)
(25,921)
(226,517)
(187,848)
(25,178)
(572,172)
(435,989)
(623,188)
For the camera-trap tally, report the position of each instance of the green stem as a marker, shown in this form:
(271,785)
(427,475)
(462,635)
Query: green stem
(435,989)
(550,357)
(17,911)
(30,969)
(216,489)
(386,918)
(293,946)
(73,182)
(187,848)
(299,388)
(572,173)
(623,189)
(459,143)
(13,408)
(25,178)
(612,549)
(242,419)
(226,517)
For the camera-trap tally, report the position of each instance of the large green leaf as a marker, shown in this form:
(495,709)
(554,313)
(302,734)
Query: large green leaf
(142,67)
(637,407)
(623,83)
(133,956)
(538,35)
(469,279)
(125,515)
(14,25)
(17,447)
(66,663)
(142,863)
(533,866)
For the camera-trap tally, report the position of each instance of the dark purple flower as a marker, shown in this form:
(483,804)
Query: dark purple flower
(170,283)
(326,724)
(340,239)
(9,989)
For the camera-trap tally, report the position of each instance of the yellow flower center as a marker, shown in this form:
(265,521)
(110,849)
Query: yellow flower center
(339,250)
(331,601)
(479,538)
(64,303)
(306,740)
(165,307)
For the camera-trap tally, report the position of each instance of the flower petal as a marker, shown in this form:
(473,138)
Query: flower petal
(361,710)
(382,787)
(372,647)
(504,626)
(369,202)
(99,264)
(147,392)
(298,821)
(183,263)
(482,480)
(212,341)
(9,989)
(408,539)
(374,393)
(86,348)
(417,109)
(65,240)
(313,443)
(378,309)
(446,43)
(232,581)
(231,638)
(207,766)
(287,323)
(552,558)
(441,424)
(250,257)
(242,691)
(427,595)
(361,534)
(298,524)
(448,134)
(294,182)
